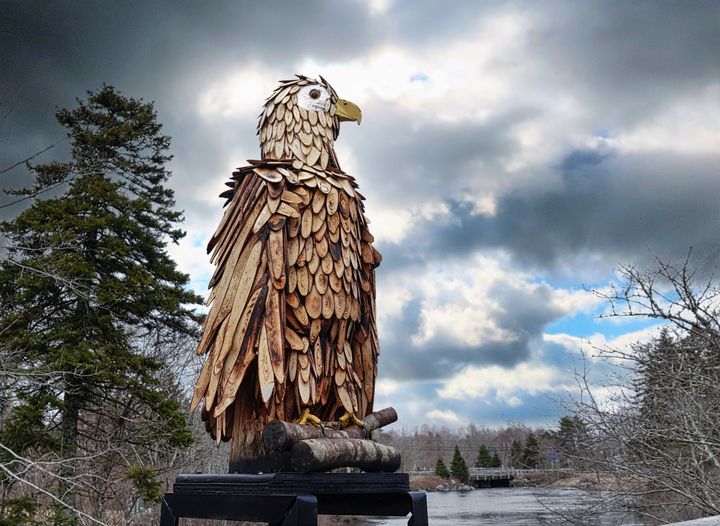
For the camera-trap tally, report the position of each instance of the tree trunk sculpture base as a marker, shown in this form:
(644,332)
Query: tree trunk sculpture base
(307,448)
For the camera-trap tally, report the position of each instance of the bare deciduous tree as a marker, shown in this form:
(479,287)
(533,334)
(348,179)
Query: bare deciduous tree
(655,425)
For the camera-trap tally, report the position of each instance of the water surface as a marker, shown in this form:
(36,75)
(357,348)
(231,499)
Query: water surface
(508,507)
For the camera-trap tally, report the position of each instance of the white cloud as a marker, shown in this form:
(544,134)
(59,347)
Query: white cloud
(593,345)
(469,324)
(391,225)
(458,303)
(625,341)
(690,125)
(460,80)
(379,7)
(242,92)
(514,401)
(482,204)
(576,301)
(444,416)
(192,259)
(385,387)
(495,383)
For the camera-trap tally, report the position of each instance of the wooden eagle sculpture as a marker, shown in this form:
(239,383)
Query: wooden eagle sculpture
(291,331)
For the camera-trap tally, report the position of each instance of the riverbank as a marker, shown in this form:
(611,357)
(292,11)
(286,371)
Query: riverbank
(587,481)
(435,483)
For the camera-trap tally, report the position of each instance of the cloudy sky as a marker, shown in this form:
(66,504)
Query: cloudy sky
(513,155)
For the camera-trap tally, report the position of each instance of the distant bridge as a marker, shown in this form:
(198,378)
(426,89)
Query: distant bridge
(494,477)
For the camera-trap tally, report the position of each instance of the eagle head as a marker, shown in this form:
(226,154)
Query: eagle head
(301,120)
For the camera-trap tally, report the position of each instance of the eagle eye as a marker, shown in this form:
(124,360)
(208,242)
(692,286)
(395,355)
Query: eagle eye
(314,97)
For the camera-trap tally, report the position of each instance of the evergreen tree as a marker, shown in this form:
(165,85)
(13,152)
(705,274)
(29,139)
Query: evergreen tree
(441,469)
(662,359)
(531,452)
(516,450)
(571,433)
(673,370)
(571,438)
(483,459)
(458,467)
(88,292)
(495,461)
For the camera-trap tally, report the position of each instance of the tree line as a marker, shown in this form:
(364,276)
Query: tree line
(513,446)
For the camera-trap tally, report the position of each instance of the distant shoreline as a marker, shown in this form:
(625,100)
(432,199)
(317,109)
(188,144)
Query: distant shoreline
(579,480)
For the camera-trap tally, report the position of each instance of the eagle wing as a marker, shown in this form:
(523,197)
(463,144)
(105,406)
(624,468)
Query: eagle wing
(367,343)
(294,287)
(247,304)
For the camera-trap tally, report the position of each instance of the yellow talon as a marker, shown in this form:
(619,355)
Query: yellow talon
(349,418)
(308,418)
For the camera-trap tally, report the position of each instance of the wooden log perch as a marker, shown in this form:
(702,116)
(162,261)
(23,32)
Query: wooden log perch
(282,436)
(325,454)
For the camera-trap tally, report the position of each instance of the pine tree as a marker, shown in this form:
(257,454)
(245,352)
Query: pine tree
(458,467)
(531,452)
(495,461)
(483,459)
(662,359)
(88,292)
(571,438)
(441,469)
(516,450)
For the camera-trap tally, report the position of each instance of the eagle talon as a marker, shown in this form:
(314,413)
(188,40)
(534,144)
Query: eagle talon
(308,418)
(349,418)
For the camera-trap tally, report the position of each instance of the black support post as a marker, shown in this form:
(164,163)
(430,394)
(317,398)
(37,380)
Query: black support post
(304,512)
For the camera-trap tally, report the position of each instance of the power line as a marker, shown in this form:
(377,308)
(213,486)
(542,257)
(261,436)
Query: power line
(28,159)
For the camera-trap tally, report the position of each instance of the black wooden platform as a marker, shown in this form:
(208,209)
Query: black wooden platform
(292,499)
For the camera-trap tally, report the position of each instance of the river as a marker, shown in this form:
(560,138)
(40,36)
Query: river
(507,507)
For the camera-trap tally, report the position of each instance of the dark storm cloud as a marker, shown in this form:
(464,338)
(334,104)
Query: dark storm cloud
(625,209)
(53,52)
(158,50)
(419,160)
(625,59)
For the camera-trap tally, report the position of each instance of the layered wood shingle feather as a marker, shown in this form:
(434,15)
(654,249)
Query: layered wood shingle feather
(291,323)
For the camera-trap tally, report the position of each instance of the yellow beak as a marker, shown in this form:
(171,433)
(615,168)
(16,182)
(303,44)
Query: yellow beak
(347,111)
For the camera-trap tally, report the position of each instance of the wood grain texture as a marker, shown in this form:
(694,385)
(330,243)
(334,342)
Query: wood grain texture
(291,321)
(282,436)
(324,454)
